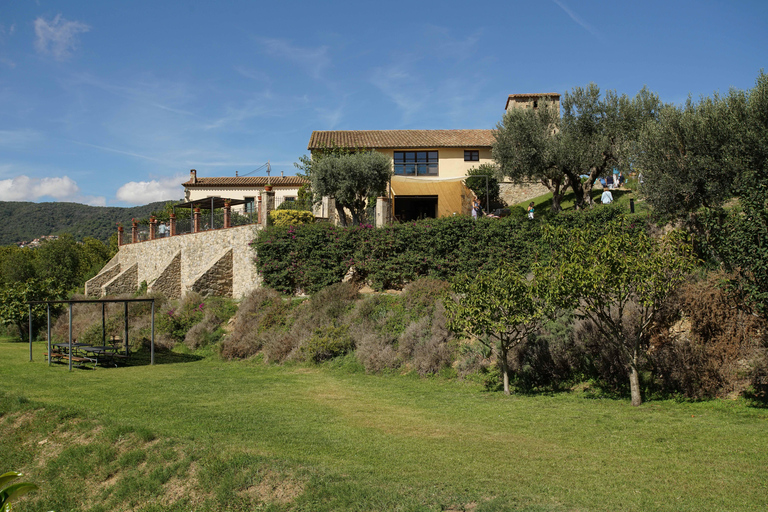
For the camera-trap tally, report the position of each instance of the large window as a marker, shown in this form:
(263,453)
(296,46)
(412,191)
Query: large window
(471,155)
(416,163)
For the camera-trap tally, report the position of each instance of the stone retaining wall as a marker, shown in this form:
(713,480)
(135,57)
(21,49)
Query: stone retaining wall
(180,262)
(513,193)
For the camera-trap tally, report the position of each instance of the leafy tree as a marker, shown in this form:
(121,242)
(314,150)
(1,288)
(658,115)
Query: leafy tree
(617,277)
(351,179)
(692,156)
(16,264)
(500,308)
(14,309)
(600,134)
(476,182)
(594,135)
(527,148)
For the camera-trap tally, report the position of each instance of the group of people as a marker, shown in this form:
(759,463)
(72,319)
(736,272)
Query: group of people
(477,210)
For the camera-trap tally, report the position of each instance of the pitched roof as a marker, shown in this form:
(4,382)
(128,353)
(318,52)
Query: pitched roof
(401,139)
(246,181)
(554,95)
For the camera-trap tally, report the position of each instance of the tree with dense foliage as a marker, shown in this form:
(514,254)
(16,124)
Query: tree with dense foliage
(499,308)
(692,156)
(483,181)
(527,148)
(594,135)
(351,180)
(14,309)
(616,276)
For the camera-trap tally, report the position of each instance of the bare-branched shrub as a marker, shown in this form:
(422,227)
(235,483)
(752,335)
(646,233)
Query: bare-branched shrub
(376,352)
(278,346)
(426,342)
(422,294)
(260,311)
(706,346)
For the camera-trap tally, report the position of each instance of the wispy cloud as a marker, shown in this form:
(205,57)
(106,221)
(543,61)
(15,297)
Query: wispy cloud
(16,139)
(401,86)
(575,17)
(58,37)
(313,60)
(118,151)
(143,192)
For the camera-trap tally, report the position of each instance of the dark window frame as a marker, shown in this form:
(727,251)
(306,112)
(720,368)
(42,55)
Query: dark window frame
(471,155)
(416,163)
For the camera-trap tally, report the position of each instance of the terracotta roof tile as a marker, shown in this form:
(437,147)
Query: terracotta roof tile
(402,139)
(246,181)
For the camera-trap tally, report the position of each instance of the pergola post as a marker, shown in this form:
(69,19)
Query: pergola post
(30,332)
(172,222)
(196,221)
(70,336)
(227,214)
(125,331)
(49,334)
(152,344)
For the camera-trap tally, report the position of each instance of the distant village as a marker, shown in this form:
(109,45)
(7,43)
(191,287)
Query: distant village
(37,241)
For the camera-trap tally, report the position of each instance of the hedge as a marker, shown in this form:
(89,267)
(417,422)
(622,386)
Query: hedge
(310,257)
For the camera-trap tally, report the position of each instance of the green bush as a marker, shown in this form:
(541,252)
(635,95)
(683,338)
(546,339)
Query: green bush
(287,218)
(328,343)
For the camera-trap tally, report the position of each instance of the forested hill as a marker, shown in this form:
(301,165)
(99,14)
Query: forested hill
(22,221)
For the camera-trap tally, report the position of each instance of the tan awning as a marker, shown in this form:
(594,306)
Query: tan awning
(453,197)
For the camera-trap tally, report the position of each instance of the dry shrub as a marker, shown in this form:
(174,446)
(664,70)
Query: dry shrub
(706,346)
(421,295)
(203,333)
(261,310)
(427,342)
(376,352)
(279,346)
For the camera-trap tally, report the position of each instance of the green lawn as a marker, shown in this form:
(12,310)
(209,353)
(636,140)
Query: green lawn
(349,441)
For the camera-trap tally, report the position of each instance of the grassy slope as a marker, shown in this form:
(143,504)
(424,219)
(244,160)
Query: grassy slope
(358,442)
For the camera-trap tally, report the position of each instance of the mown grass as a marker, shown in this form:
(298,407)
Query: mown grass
(621,197)
(202,434)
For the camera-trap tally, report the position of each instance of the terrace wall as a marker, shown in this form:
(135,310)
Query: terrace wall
(218,262)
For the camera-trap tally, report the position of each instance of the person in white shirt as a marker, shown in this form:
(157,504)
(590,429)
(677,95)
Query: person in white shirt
(607,197)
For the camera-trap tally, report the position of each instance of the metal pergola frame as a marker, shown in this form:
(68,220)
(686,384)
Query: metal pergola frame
(103,303)
(209,203)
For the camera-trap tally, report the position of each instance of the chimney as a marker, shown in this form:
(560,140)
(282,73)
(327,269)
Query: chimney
(193,176)
(281,174)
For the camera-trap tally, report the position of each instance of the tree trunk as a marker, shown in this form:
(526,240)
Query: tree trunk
(505,371)
(342,215)
(634,381)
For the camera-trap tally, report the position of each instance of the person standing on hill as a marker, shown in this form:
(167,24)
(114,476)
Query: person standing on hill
(530,210)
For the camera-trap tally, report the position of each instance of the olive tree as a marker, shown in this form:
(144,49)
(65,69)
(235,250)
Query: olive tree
(596,133)
(617,277)
(499,308)
(351,179)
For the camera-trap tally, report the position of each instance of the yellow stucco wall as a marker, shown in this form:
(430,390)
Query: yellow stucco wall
(451,162)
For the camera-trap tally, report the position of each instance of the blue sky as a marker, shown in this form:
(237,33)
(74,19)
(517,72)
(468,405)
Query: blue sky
(111,103)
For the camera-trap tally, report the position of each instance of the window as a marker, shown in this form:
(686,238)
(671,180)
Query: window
(249,205)
(472,155)
(415,163)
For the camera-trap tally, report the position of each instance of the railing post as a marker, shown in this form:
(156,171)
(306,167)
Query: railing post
(227,214)
(152,228)
(196,221)
(172,222)
(120,234)
(134,231)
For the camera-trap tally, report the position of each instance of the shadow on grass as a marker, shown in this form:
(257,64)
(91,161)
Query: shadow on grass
(142,357)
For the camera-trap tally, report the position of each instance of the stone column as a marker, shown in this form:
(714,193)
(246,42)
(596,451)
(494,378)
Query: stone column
(152,228)
(383,212)
(258,211)
(172,222)
(134,231)
(120,236)
(197,220)
(267,205)
(227,215)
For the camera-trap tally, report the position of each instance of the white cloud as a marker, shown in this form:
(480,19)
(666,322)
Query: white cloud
(58,37)
(143,192)
(24,188)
